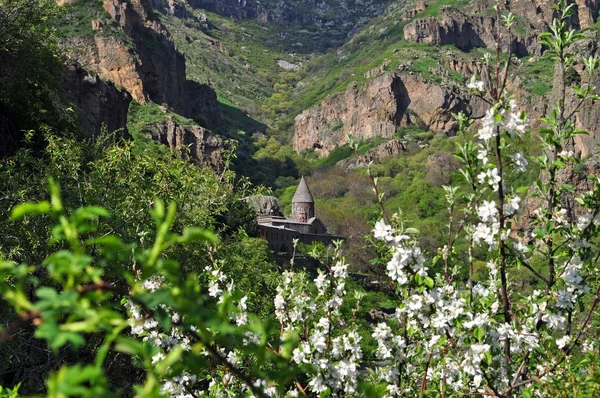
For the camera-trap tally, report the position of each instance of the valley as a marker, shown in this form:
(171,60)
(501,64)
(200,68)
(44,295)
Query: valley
(451,143)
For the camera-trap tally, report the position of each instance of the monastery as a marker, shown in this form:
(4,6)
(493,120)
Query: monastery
(280,231)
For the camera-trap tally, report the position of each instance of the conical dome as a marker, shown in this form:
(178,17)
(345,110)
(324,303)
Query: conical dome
(303,194)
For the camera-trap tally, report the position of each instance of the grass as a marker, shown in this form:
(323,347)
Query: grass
(537,74)
(232,58)
(433,9)
(380,42)
(141,115)
(77,21)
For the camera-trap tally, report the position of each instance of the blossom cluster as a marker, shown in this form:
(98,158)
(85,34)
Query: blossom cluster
(407,258)
(328,344)
(186,385)
(507,117)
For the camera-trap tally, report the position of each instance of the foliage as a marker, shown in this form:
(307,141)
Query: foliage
(28,95)
(125,177)
(128,299)
(538,75)
(77,20)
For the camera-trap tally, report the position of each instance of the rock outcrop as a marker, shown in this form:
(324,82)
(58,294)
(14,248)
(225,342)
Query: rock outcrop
(377,108)
(466,32)
(588,116)
(147,64)
(193,142)
(173,7)
(97,103)
(479,26)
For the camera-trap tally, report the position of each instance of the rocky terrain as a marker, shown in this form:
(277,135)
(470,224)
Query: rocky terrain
(98,103)
(193,142)
(142,58)
(453,27)
(347,15)
(130,55)
(378,108)
(145,62)
(479,26)
(391,98)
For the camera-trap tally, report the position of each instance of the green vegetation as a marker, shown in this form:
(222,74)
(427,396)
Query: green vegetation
(30,73)
(78,17)
(537,74)
(222,49)
(433,9)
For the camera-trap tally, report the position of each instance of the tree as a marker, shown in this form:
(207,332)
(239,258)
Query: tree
(30,66)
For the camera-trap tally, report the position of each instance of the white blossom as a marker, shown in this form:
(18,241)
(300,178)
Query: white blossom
(488,128)
(563,341)
(519,161)
(476,85)
(487,211)
(491,177)
(511,206)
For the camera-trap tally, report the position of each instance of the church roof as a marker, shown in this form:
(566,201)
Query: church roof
(303,194)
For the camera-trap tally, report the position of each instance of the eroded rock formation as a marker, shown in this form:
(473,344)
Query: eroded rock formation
(478,27)
(588,116)
(147,64)
(377,108)
(97,103)
(343,16)
(466,32)
(380,152)
(194,142)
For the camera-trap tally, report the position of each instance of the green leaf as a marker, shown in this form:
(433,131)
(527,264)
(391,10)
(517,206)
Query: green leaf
(429,282)
(172,357)
(109,242)
(26,209)
(129,346)
(77,381)
(569,188)
(197,235)
(46,293)
(91,212)
(479,333)
(163,318)
(418,279)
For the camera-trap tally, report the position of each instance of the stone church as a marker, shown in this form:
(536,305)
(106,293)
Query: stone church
(280,231)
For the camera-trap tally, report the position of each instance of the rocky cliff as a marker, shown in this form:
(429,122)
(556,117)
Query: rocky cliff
(97,103)
(588,116)
(378,107)
(376,155)
(295,11)
(478,26)
(466,32)
(144,61)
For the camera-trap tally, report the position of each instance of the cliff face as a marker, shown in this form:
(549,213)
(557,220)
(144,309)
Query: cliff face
(466,32)
(146,63)
(478,27)
(588,117)
(376,109)
(97,103)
